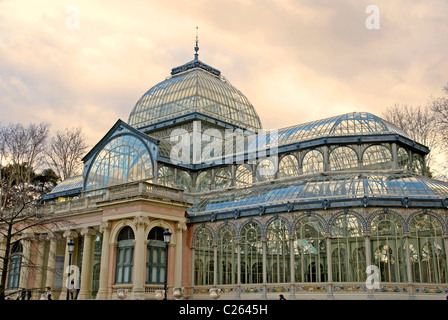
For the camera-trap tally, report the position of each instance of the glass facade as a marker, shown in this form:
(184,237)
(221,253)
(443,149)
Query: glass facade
(123,159)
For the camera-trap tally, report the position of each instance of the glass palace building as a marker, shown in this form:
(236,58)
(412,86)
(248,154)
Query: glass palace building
(309,211)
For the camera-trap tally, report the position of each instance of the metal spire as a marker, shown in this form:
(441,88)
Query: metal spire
(196,49)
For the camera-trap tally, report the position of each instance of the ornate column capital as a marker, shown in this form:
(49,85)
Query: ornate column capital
(88,232)
(141,222)
(181,226)
(53,237)
(105,225)
(70,234)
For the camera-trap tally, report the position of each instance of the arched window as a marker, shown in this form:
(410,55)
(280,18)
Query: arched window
(288,167)
(223,178)
(417,164)
(266,170)
(155,257)
(243,175)
(348,249)
(310,251)
(387,247)
(165,176)
(227,256)
(428,262)
(313,162)
(204,182)
(125,256)
(403,158)
(183,180)
(343,158)
(204,257)
(277,252)
(123,159)
(251,254)
(15,264)
(377,157)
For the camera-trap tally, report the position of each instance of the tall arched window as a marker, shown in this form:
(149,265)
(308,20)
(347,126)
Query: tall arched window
(313,162)
(15,264)
(251,254)
(155,257)
(277,252)
(387,247)
(165,176)
(223,178)
(310,251)
(123,159)
(125,256)
(417,164)
(227,256)
(266,170)
(183,180)
(204,182)
(343,158)
(243,175)
(402,158)
(348,249)
(377,157)
(204,258)
(288,167)
(429,265)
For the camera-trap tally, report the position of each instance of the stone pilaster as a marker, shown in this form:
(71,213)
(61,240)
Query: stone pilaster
(139,259)
(178,265)
(104,268)
(24,270)
(86,275)
(39,263)
(51,265)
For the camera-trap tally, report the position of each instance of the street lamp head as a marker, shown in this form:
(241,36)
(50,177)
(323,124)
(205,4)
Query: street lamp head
(71,246)
(167,236)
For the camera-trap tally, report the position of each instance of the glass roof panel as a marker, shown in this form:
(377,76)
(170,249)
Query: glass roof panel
(356,123)
(334,186)
(69,184)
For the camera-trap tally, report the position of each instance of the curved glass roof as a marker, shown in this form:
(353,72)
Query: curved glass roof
(345,186)
(194,87)
(355,123)
(68,186)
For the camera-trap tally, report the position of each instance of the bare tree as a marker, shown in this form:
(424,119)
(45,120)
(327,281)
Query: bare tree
(418,123)
(440,108)
(65,152)
(21,149)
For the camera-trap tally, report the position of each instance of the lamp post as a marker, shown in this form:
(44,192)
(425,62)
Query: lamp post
(70,247)
(167,240)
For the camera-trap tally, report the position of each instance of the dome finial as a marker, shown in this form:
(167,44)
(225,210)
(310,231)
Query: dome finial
(196,49)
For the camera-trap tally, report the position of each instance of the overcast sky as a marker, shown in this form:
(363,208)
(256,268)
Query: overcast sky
(296,60)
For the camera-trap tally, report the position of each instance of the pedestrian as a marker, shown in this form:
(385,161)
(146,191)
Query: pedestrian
(48,293)
(23,294)
(282,297)
(28,295)
(72,289)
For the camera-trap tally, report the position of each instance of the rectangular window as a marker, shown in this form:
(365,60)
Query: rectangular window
(155,262)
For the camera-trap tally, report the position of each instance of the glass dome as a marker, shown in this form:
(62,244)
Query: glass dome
(194,87)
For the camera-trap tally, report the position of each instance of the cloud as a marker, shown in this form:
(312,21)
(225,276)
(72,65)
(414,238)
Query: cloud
(296,61)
